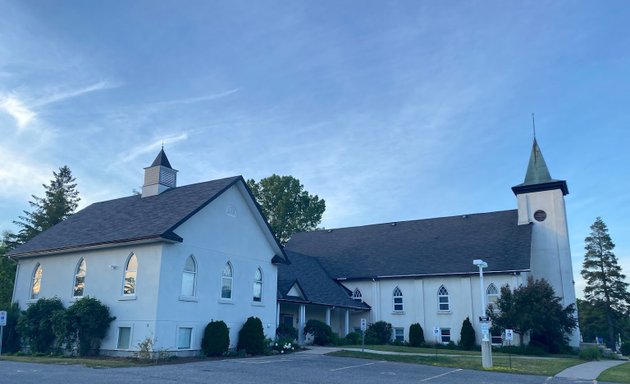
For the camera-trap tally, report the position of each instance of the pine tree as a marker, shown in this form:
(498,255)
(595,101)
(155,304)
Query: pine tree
(605,281)
(60,200)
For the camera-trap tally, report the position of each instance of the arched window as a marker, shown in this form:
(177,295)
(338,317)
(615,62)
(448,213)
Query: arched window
(37,281)
(398,300)
(357,294)
(131,272)
(443,301)
(258,283)
(189,276)
(79,279)
(226,282)
(493,293)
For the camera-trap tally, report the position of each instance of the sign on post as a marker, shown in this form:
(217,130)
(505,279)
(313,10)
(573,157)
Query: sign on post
(363,325)
(363,328)
(509,335)
(3,318)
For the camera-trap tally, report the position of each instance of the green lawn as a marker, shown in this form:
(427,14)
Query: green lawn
(530,365)
(405,349)
(94,362)
(620,374)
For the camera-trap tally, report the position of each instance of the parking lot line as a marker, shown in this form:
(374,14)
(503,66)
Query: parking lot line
(444,374)
(354,366)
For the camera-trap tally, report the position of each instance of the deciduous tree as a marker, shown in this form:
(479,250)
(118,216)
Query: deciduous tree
(535,309)
(286,205)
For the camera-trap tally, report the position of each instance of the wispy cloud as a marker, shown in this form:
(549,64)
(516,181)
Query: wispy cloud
(139,150)
(16,108)
(61,95)
(192,100)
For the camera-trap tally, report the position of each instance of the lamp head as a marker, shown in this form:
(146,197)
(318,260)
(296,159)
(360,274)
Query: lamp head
(480,263)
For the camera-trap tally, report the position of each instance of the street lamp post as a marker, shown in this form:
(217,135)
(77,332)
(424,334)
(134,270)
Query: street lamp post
(484,321)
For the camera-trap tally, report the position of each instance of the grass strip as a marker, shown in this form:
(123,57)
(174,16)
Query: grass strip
(530,366)
(619,374)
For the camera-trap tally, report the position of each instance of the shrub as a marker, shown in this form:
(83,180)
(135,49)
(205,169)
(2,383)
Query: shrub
(284,345)
(467,335)
(322,334)
(251,338)
(36,326)
(89,319)
(353,338)
(11,336)
(590,353)
(216,339)
(416,335)
(625,348)
(378,333)
(286,331)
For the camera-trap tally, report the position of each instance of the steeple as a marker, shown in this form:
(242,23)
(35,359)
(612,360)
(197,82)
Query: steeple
(159,177)
(538,177)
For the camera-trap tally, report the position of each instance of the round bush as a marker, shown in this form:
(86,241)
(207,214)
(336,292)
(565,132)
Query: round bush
(353,338)
(378,333)
(90,319)
(36,325)
(322,334)
(251,338)
(416,335)
(216,339)
(286,331)
(625,348)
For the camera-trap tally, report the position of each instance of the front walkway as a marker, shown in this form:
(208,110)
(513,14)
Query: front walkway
(590,370)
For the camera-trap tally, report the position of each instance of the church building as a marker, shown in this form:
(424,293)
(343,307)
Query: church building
(168,261)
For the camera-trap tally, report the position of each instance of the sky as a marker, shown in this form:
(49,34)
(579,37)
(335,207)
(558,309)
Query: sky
(389,111)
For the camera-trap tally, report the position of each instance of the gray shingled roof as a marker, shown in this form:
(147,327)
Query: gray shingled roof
(316,285)
(440,246)
(132,218)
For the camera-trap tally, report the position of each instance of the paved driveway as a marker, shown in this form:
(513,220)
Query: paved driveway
(295,368)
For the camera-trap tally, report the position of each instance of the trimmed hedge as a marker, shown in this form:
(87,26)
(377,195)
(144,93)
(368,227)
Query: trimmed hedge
(416,335)
(378,333)
(251,338)
(36,326)
(322,333)
(467,335)
(216,339)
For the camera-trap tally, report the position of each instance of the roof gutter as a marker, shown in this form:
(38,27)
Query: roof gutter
(431,275)
(89,247)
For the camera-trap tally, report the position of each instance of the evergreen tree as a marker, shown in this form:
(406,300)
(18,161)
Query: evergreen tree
(60,200)
(287,206)
(605,282)
(467,335)
(7,276)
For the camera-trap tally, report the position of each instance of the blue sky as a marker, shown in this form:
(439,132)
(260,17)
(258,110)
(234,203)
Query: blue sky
(389,111)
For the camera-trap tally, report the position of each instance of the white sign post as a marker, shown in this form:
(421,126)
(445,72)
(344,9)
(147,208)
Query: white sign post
(363,329)
(436,335)
(3,322)
(509,336)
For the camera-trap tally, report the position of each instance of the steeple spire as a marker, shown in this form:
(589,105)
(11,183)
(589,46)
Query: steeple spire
(537,171)
(161,159)
(159,176)
(537,177)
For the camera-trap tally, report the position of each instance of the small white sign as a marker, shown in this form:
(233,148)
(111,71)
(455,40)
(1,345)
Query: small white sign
(509,335)
(436,331)
(3,318)
(363,324)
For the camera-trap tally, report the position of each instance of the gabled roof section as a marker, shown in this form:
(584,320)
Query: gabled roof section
(131,219)
(162,160)
(430,247)
(316,286)
(538,177)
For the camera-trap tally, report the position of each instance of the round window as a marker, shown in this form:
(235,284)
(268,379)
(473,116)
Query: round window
(540,215)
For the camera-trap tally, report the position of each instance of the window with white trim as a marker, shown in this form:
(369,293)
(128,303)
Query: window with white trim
(258,284)
(398,300)
(492,294)
(399,334)
(79,279)
(184,338)
(131,272)
(445,334)
(124,338)
(443,299)
(36,283)
(189,276)
(226,281)
(356,295)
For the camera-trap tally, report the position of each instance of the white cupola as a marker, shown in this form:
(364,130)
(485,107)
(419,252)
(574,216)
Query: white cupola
(159,177)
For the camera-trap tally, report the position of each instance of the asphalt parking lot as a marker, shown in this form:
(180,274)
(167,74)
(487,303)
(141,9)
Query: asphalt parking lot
(294,368)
